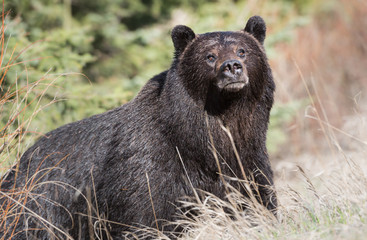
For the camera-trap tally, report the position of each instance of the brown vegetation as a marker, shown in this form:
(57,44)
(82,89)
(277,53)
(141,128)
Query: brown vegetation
(327,58)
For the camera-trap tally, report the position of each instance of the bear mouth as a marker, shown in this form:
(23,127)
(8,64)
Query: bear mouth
(234,86)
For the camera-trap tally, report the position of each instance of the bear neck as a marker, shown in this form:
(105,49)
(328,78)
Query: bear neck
(189,122)
(224,105)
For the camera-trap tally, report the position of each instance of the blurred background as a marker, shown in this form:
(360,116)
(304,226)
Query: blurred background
(95,55)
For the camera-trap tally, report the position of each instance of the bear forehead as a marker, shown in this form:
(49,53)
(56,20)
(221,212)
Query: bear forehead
(223,38)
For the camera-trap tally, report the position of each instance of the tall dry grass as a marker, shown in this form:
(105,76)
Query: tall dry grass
(331,205)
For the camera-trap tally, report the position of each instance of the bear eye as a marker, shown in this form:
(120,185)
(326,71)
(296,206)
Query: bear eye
(211,58)
(241,53)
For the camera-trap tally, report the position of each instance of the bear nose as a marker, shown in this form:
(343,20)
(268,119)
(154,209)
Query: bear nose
(231,67)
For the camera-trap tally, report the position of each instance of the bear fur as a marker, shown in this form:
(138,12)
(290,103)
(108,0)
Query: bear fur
(99,167)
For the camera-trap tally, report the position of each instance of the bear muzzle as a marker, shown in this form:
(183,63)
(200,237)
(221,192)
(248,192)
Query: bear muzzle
(232,76)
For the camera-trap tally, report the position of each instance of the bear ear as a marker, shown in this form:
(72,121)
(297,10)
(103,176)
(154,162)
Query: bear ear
(181,36)
(257,28)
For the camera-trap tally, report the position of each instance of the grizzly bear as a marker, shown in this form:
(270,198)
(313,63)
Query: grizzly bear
(126,168)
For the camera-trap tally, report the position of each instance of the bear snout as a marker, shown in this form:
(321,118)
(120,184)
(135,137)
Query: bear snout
(232,76)
(231,68)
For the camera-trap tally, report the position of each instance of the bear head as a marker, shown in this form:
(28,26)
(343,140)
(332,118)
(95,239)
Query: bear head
(222,64)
